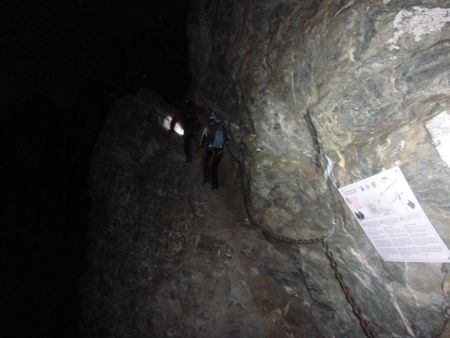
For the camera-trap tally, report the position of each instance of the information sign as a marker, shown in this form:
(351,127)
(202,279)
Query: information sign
(393,220)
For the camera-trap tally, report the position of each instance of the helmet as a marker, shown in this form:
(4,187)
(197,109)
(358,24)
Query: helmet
(212,118)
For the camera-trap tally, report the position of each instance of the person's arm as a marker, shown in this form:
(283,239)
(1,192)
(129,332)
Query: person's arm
(227,136)
(204,137)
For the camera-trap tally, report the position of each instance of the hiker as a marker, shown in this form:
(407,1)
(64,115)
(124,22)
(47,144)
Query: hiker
(187,117)
(214,137)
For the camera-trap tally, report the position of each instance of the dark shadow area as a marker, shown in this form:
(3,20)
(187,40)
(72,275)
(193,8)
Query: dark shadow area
(64,64)
(159,62)
(44,221)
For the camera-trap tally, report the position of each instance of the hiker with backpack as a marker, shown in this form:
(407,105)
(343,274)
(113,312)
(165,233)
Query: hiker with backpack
(214,137)
(187,117)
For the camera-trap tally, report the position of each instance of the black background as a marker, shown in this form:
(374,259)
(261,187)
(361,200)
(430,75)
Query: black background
(61,65)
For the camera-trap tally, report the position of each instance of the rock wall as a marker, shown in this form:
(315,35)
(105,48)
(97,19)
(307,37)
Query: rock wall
(323,94)
(127,220)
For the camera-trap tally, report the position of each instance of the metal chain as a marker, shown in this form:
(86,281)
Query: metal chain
(356,309)
(265,231)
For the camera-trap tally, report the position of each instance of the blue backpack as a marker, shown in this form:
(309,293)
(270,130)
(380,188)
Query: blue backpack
(219,139)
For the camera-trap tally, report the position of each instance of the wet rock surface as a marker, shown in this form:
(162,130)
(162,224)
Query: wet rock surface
(325,93)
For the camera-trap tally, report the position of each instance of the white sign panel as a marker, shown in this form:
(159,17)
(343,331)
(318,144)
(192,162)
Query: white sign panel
(391,217)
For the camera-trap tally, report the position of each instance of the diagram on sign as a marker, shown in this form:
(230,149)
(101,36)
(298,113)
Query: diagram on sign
(393,219)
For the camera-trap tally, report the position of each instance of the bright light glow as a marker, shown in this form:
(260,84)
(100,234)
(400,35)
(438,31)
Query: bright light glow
(178,128)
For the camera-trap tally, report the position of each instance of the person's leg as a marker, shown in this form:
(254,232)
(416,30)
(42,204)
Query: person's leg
(206,164)
(187,145)
(218,154)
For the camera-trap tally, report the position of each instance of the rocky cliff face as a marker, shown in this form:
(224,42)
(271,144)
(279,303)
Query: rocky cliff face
(323,94)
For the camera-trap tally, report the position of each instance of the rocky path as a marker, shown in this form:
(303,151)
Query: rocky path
(218,280)
(169,257)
